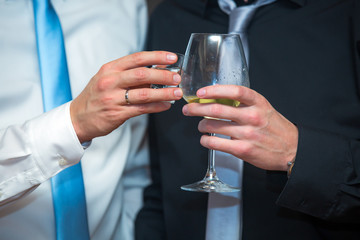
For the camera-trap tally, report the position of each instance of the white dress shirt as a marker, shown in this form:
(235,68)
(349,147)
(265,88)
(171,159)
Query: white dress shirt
(35,146)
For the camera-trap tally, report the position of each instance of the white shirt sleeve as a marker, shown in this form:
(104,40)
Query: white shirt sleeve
(35,151)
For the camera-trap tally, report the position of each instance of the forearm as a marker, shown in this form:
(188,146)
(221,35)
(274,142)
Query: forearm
(35,151)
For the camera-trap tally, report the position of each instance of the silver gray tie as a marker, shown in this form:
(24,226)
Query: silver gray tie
(240,17)
(224,215)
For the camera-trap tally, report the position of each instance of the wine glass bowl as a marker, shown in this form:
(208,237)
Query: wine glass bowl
(212,59)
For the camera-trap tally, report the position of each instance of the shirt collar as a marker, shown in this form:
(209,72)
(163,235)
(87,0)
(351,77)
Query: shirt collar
(199,7)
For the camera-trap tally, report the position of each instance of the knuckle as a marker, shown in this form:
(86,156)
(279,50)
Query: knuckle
(166,75)
(169,94)
(216,109)
(252,96)
(141,74)
(105,67)
(247,133)
(144,95)
(138,58)
(244,149)
(247,149)
(159,55)
(261,100)
(104,83)
(255,118)
(251,134)
(239,91)
(212,143)
(141,109)
(208,126)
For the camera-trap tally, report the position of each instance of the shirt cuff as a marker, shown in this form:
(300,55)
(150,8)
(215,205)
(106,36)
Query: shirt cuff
(55,143)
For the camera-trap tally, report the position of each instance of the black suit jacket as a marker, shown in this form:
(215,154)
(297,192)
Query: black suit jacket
(304,58)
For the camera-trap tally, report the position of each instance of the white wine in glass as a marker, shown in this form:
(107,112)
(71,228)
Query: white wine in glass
(212,59)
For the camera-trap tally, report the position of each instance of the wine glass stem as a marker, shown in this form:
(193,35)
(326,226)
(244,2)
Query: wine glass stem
(211,173)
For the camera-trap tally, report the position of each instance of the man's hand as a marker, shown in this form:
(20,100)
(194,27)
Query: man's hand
(259,134)
(101,107)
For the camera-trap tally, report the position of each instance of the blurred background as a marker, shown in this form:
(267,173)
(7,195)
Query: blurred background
(152,4)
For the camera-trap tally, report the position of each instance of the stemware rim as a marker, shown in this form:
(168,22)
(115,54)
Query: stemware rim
(216,34)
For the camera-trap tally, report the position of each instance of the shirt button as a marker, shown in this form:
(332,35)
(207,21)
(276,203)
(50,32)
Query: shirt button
(63,162)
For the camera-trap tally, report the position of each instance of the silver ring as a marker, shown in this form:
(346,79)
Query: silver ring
(127,96)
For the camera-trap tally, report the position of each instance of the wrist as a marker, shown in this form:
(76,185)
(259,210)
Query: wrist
(74,111)
(295,141)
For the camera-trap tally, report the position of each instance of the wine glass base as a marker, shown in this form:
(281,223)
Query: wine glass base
(209,186)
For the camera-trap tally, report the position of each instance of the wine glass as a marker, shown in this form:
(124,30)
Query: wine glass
(212,59)
(175,67)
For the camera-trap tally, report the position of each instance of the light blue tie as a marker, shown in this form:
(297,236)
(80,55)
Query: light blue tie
(240,17)
(67,186)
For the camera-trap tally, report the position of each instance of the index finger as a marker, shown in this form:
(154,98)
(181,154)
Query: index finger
(242,94)
(143,59)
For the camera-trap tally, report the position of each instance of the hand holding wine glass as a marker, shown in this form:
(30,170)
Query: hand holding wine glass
(258,133)
(212,59)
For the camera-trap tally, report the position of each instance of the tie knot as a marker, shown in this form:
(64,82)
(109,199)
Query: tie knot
(239,17)
(41,5)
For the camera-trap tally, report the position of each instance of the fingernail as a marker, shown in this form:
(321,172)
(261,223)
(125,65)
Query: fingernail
(177,78)
(178,92)
(171,56)
(201,92)
(185,110)
(166,104)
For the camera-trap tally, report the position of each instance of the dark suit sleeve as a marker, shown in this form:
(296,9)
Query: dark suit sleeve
(149,223)
(325,180)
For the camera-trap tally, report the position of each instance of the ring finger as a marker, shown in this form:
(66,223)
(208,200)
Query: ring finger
(148,95)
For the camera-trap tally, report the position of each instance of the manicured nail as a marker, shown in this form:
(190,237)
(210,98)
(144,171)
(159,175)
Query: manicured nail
(177,78)
(178,92)
(185,110)
(201,92)
(171,56)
